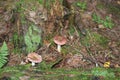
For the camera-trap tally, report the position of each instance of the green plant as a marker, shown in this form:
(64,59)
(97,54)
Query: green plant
(46,3)
(107,22)
(32,38)
(87,40)
(102,72)
(82,5)
(97,18)
(15,40)
(18,6)
(101,40)
(40,1)
(3,54)
(44,72)
(14,72)
(93,37)
(71,30)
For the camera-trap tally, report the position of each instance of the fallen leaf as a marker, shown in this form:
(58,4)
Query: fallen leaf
(107,64)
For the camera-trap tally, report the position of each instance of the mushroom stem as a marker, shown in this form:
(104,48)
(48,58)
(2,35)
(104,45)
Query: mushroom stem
(33,64)
(59,48)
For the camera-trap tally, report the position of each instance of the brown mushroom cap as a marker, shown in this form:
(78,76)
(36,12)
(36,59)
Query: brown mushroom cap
(34,57)
(60,40)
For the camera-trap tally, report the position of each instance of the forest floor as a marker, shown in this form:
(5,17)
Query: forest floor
(92,30)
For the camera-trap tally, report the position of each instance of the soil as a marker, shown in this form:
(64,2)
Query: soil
(89,43)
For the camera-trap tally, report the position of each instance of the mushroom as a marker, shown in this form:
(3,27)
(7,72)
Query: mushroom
(34,58)
(59,40)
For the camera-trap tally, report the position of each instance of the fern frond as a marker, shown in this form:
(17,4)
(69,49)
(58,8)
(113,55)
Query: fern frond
(3,54)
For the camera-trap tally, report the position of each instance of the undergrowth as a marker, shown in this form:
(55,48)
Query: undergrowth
(107,22)
(17,41)
(3,55)
(32,38)
(43,71)
(82,5)
(93,37)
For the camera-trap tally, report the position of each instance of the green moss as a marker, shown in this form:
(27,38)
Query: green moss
(86,41)
(93,37)
(16,40)
(103,72)
(49,37)
(107,22)
(82,5)
(32,38)
(46,73)
(65,49)
(100,6)
(100,39)
(40,1)
(112,8)
(14,71)
(71,30)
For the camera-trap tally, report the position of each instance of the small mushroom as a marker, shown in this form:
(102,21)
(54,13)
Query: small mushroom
(59,40)
(34,58)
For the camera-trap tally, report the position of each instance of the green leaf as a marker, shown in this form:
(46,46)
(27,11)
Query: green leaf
(28,40)
(102,72)
(4,48)
(82,5)
(3,54)
(32,38)
(107,22)
(36,29)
